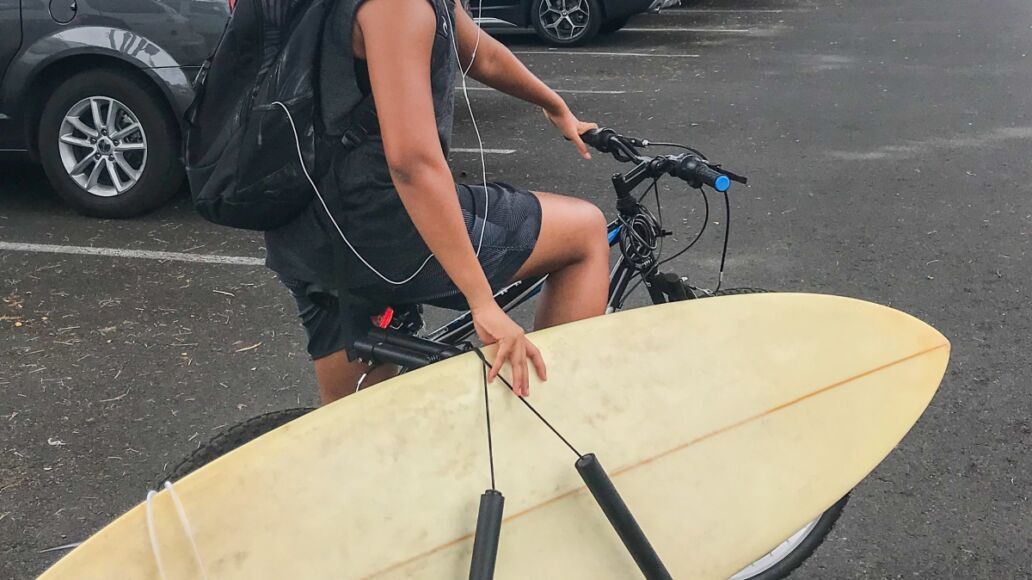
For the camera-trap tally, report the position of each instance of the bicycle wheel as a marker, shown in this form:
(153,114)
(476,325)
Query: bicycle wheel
(790,554)
(229,439)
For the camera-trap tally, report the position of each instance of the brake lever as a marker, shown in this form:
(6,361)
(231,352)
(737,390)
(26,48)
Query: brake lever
(732,176)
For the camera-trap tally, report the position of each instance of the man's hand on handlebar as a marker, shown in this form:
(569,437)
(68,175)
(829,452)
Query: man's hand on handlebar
(571,127)
(691,167)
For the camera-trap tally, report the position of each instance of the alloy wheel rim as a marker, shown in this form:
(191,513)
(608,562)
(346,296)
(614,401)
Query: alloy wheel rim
(102,146)
(565,20)
(776,555)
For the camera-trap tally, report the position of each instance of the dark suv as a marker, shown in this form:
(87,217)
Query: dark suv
(95,90)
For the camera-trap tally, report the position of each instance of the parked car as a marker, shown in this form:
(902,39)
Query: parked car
(95,90)
(561,22)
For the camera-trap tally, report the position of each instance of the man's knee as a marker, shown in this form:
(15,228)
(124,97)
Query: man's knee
(593,224)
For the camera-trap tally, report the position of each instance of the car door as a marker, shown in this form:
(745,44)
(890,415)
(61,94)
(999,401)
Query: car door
(498,13)
(10,32)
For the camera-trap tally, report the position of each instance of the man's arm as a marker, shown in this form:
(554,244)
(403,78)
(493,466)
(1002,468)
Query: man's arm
(497,67)
(399,74)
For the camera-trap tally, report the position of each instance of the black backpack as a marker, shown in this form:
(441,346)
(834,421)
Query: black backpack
(256,116)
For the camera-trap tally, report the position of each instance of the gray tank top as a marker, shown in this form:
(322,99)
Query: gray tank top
(357,184)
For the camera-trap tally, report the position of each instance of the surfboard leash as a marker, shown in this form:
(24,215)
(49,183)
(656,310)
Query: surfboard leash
(487,367)
(184,523)
(489,520)
(492,505)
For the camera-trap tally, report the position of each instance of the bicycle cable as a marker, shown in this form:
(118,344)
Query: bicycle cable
(727,236)
(705,223)
(691,150)
(641,235)
(698,236)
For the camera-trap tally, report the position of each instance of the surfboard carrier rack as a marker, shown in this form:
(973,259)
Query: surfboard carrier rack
(489,517)
(388,346)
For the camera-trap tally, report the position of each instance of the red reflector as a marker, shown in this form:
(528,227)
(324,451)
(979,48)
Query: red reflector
(384,320)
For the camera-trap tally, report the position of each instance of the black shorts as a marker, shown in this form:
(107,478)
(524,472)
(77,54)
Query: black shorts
(512,228)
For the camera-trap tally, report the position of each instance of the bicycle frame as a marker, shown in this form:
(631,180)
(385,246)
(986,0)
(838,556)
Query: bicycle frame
(691,167)
(517,293)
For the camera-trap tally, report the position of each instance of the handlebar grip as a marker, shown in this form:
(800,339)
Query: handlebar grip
(697,173)
(599,139)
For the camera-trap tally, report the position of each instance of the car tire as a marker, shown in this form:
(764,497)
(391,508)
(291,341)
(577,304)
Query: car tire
(566,22)
(614,25)
(109,169)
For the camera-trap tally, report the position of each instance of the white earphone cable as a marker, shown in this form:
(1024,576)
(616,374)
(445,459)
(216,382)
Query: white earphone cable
(483,167)
(326,208)
(476,129)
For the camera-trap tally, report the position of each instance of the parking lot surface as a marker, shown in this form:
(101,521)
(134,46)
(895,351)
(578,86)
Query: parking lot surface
(888,149)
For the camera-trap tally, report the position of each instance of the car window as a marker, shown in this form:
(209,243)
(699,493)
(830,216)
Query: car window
(129,6)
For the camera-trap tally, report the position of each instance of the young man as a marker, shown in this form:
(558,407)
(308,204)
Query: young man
(396,202)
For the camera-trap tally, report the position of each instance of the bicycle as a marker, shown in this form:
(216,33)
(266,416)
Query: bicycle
(638,234)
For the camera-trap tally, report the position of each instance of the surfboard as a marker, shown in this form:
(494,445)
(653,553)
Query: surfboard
(726,424)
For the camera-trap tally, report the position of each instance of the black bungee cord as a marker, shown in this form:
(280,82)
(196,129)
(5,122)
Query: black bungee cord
(489,518)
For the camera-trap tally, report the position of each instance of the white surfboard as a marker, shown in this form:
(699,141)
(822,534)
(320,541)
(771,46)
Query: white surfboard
(726,424)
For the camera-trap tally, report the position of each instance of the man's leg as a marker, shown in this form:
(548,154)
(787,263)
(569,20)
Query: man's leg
(572,249)
(339,377)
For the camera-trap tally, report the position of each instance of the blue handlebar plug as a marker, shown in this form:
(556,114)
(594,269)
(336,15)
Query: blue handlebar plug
(722,183)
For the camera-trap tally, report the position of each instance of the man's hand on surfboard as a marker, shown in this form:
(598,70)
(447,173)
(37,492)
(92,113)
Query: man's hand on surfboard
(495,327)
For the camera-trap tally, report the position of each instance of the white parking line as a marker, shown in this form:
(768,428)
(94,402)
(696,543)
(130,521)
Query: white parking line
(733,10)
(486,151)
(591,53)
(139,254)
(568,91)
(721,30)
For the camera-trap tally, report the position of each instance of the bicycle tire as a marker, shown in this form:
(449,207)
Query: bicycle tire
(230,439)
(737,291)
(816,536)
(802,551)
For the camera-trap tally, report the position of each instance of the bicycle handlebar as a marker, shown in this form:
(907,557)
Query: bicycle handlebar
(690,167)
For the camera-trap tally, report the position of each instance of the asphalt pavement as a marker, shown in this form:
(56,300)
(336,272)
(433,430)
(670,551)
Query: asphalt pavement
(888,149)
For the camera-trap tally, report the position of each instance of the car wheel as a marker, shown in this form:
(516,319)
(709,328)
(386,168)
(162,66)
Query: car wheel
(109,145)
(614,25)
(566,22)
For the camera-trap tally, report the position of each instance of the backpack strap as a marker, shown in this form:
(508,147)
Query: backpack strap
(200,80)
(355,311)
(362,123)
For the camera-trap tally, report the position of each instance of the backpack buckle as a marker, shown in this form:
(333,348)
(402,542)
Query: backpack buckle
(352,137)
